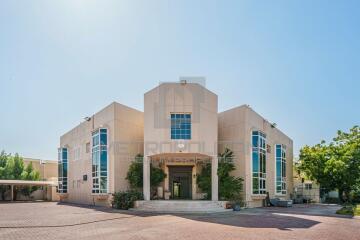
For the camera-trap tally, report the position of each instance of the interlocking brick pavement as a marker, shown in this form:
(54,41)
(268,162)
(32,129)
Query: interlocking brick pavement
(47,220)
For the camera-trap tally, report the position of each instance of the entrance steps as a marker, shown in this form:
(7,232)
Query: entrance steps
(181,206)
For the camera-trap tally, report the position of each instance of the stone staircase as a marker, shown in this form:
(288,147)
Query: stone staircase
(180,206)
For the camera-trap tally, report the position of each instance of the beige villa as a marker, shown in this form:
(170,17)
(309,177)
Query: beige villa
(179,131)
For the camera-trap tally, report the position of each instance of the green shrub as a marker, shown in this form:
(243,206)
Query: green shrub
(135,174)
(126,199)
(203,180)
(230,187)
(332,200)
(355,196)
(346,210)
(352,210)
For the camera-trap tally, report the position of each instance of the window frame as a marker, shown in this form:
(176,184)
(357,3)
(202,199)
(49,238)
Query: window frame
(98,148)
(63,182)
(184,133)
(260,175)
(283,163)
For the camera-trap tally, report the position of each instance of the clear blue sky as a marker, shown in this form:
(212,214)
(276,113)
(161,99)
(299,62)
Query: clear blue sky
(297,63)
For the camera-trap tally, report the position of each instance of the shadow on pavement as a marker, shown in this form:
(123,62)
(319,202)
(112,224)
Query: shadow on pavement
(248,219)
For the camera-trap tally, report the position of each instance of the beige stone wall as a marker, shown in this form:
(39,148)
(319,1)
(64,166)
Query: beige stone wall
(191,98)
(47,170)
(169,98)
(236,126)
(129,141)
(119,120)
(232,132)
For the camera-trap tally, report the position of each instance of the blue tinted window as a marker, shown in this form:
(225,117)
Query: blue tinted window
(181,126)
(99,161)
(62,170)
(103,139)
(103,161)
(258,162)
(255,162)
(65,170)
(255,140)
(64,154)
(96,140)
(280,169)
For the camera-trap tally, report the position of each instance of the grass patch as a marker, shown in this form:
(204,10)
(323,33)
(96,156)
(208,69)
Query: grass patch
(352,210)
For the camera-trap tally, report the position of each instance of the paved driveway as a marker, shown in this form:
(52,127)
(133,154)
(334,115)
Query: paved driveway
(48,220)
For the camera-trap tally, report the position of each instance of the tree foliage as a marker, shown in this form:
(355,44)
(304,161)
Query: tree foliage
(229,186)
(335,165)
(29,173)
(12,167)
(135,174)
(3,173)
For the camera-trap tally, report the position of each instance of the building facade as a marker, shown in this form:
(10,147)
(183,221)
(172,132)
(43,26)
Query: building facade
(263,154)
(179,131)
(94,156)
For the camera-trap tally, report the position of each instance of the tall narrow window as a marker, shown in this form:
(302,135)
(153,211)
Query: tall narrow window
(62,170)
(280,169)
(180,126)
(258,162)
(99,161)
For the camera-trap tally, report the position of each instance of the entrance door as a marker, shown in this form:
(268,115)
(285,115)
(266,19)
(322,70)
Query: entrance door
(180,182)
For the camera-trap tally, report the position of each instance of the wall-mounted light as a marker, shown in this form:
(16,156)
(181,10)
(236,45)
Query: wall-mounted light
(181,146)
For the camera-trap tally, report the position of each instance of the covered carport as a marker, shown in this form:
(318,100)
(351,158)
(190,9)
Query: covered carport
(50,184)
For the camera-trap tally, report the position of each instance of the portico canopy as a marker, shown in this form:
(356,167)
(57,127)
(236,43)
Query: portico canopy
(13,183)
(27,183)
(180,155)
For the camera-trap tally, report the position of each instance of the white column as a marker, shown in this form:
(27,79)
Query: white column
(166,180)
(214,179)
(193,174)
(146,177)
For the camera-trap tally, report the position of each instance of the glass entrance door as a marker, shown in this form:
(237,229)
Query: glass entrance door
(180,182)
(176,190)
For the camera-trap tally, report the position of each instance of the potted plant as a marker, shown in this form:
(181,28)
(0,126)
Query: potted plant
(237,203)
